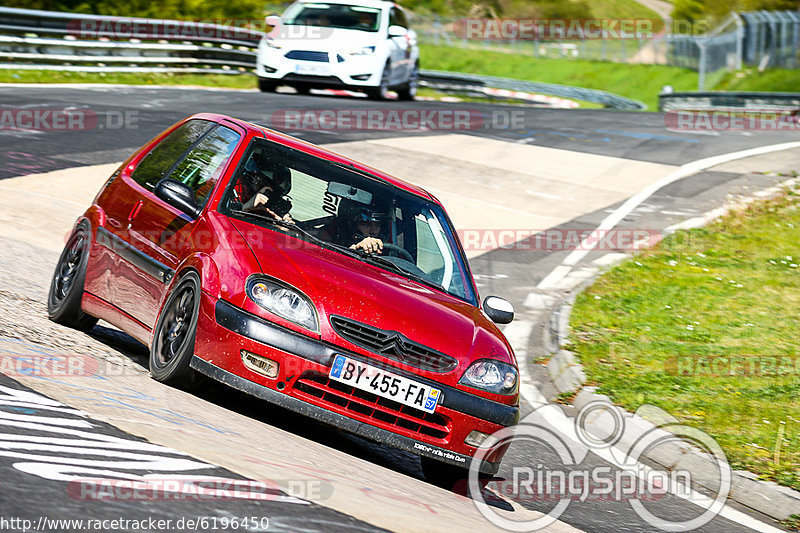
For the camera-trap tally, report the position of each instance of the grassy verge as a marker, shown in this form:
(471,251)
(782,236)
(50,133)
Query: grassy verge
(640,82)
(680,326)
(242,81)
(776,79)
(425,92)
(626,9)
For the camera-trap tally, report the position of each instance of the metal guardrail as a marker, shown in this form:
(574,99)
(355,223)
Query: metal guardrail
(56,41)
(729,101)
(53,23)
(474,84)
(91,43)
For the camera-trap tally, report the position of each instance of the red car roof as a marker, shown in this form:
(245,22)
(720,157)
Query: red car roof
(318,151)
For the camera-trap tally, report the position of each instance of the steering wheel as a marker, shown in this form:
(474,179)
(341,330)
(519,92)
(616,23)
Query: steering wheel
(397,251)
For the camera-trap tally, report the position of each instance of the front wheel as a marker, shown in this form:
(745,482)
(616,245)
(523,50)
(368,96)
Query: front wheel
(267,86)
(66,287)
(409,91)
(174,335)
(381,92)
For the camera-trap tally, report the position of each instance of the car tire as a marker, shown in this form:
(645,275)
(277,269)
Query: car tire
(267,86)
(304,90)
(66,286)
(174,335)
(381,92)
(409,91)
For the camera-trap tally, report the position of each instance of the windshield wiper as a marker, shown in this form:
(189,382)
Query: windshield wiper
(399,269)
(293,226)
(361,256)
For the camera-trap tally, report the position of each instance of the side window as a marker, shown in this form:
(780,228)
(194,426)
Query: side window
(202,167)
(397,17)
(165,154)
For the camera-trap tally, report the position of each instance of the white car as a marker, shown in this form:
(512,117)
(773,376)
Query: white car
(364,45)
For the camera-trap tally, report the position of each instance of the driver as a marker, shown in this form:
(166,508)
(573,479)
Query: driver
(270,192)
(362,227)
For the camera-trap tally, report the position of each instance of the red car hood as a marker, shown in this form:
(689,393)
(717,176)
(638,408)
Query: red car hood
(344,286)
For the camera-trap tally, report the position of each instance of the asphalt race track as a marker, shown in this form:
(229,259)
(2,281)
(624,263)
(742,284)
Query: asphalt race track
(299,474)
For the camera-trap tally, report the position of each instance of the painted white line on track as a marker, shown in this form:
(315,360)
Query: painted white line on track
(519,335)
(634,201)
(558,421)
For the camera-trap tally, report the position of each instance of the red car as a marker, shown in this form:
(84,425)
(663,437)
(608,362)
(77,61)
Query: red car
(298,276)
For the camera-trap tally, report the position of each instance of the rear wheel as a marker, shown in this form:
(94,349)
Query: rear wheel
(174,335)
(66,287)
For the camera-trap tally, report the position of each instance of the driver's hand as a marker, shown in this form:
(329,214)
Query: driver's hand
(369,245)
(261,199)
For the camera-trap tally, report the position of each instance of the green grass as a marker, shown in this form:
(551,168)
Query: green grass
(626,9)
(241,81)
(776,79)
(640,82)
(730,289)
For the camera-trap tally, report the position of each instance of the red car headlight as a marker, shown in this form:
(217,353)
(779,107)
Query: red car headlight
(492,376)
(283,300)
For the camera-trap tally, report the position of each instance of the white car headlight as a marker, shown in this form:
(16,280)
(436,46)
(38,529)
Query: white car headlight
(492,376)
(283,300)
(364,51)
(272,43)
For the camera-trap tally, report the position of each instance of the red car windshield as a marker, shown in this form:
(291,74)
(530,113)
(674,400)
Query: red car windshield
(329,204)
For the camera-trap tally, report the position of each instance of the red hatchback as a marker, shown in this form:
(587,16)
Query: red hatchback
(298,276)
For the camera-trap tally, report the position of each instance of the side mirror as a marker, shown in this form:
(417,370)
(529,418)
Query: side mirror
(499,310)
(397,31)
(272,20)
(178,195)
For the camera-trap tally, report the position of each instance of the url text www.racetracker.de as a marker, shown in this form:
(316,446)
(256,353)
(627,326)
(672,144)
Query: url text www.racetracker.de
(199,523)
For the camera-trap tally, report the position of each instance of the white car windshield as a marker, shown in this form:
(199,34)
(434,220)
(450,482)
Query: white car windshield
(336,207)
(334,16)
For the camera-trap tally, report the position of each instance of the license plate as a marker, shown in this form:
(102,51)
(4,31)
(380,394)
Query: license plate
(317,69)
(385,384)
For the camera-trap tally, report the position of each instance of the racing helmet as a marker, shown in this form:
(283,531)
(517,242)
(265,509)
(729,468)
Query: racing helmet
(352,212)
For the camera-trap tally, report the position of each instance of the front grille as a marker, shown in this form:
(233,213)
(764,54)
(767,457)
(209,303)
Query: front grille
(308,55)
(393,345)
(363,403)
